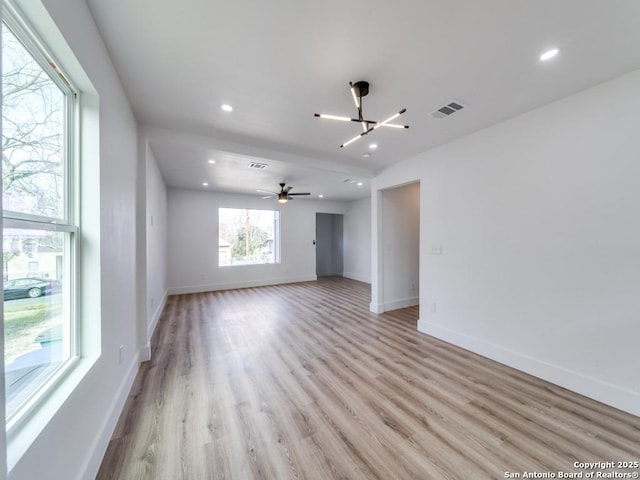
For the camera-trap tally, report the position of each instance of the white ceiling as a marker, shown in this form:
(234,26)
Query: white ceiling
(279,62)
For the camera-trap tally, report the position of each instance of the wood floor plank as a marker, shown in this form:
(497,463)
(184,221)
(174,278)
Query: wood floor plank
(301,381)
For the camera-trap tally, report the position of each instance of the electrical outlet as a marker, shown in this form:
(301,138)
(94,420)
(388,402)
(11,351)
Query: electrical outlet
(432,307)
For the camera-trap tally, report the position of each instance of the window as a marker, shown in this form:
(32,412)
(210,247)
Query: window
(248,237)
(39,219)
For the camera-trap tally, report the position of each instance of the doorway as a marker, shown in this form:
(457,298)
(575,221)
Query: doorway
(329,251)
(398,284)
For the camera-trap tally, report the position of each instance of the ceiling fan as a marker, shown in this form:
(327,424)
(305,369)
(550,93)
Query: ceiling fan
(358,90)
(283,196)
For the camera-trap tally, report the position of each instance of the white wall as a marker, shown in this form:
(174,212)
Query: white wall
(193,240)
(70,443)
(400,234)
(156,245)
(357,240)
(538,221)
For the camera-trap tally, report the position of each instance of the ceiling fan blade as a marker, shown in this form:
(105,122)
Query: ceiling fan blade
(266,191)
(269,196)
(292,194)
(287,189)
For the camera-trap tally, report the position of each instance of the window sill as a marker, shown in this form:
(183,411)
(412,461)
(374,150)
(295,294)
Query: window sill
(26,427)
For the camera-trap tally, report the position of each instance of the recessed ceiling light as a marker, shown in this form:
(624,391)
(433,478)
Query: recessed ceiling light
(549,54)
(212,162)
(226,107)
(373,146)
(359,184)
(320,196)
(366,155)
(205,184)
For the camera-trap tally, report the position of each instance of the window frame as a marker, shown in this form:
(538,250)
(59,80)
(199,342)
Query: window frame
(68,223)
(277,259)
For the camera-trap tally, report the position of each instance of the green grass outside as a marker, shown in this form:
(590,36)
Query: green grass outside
(23,315)
(23,322)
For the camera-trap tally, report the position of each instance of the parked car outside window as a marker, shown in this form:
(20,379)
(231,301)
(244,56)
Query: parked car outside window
(29,288)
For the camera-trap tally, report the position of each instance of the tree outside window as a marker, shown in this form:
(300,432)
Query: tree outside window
(39,232)
(248,237)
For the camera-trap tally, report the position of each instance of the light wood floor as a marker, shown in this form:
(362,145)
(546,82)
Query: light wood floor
(301,381)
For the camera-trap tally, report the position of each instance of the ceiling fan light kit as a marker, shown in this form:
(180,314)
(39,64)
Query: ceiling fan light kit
(283,196)
(358,90)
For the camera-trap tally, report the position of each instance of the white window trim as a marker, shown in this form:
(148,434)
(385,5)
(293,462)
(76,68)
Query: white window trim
(22,432)
(277,240)
(68,224)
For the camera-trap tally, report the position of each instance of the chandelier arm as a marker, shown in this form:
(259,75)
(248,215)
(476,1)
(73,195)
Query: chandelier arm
(368,126)
(348,142)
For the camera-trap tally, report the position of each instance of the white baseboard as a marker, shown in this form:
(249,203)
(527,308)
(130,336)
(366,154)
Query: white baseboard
(394,305)
(596,389)
(213,287)
(145,351)
(151,327)
(101,442)
(403,303)
(357,276)
(376,307)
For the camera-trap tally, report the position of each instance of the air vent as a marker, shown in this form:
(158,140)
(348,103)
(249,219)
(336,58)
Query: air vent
(349,180)
(258,166)
(448,109)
